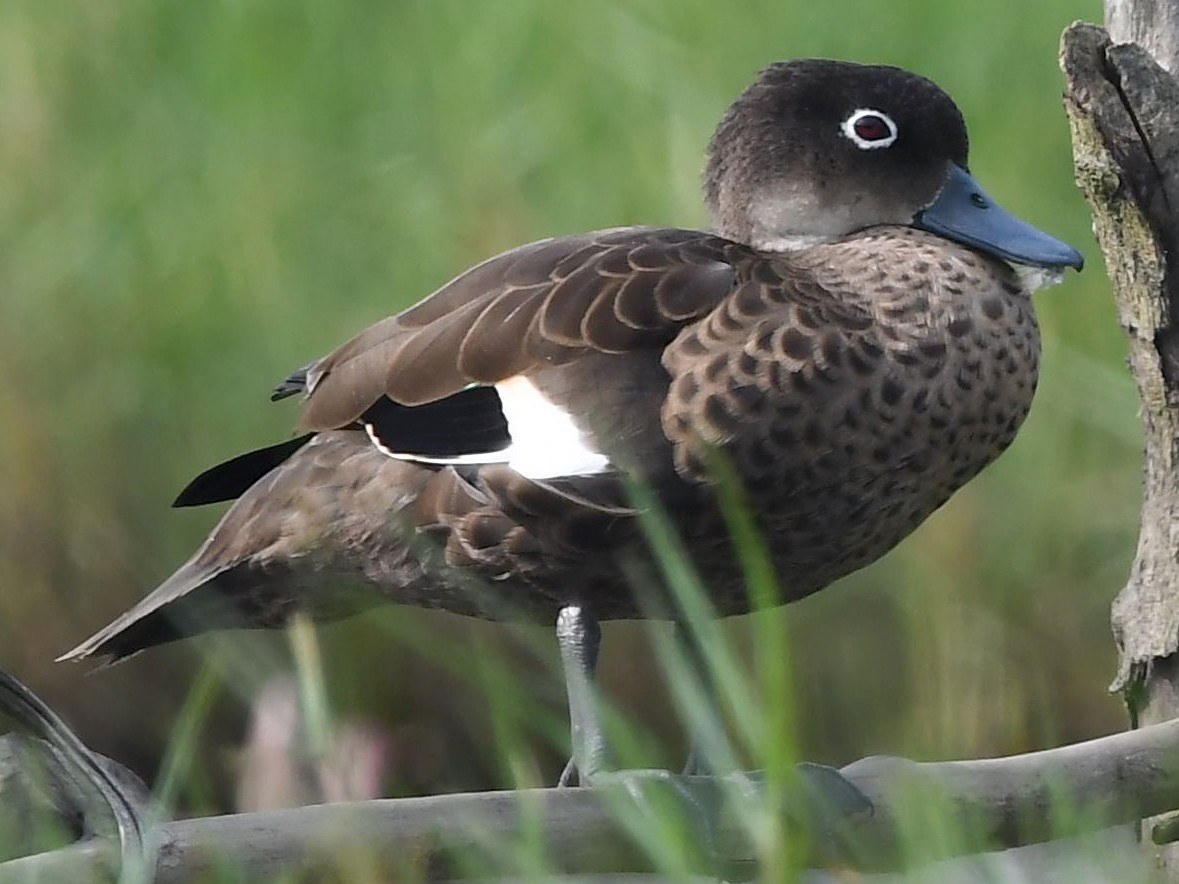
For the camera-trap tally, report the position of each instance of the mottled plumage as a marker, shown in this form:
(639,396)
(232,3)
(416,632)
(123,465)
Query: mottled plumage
(856,349)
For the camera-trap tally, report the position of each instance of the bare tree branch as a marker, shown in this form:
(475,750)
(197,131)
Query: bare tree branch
(1001,802)
(106,798)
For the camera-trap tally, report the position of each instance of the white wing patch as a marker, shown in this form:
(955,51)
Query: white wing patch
(546,442)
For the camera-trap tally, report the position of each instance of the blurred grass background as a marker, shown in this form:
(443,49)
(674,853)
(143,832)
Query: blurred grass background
(196,198)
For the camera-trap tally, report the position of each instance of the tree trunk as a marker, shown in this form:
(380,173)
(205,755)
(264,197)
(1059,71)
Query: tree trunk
(1152,24)
(1123,105)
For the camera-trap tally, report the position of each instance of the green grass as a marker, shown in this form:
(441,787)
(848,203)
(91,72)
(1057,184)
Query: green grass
(196,198)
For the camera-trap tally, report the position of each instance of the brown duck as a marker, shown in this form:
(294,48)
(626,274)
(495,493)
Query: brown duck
(852,337)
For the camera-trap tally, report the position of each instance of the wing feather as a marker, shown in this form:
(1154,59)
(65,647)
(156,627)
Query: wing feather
(612,291)
(509,316)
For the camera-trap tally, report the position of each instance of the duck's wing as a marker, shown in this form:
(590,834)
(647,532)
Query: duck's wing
(543,304)
(413,379)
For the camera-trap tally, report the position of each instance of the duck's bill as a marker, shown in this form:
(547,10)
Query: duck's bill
(965,213)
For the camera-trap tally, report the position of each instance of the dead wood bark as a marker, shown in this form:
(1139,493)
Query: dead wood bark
(1152,24)
(999,802)
(1123,108)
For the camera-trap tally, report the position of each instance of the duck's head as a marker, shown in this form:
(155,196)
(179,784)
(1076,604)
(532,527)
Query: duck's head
(815,150)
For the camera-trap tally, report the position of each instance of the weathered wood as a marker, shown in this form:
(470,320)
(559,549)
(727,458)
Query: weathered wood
(999,802)
(93,793)
(40,797)
(1152,24)
(1124,111)
(1097,858)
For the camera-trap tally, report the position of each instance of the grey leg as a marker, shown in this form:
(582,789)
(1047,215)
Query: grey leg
(701,761)
(580,636)
(700,800)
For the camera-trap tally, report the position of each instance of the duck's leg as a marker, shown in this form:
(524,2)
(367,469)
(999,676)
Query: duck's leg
(580,637)
(702,743)
(701,799)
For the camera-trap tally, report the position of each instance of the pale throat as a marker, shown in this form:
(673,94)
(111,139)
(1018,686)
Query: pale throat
(1034,279)
(787,217)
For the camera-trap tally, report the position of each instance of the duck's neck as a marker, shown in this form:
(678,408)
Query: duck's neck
(779,218)
(789,242)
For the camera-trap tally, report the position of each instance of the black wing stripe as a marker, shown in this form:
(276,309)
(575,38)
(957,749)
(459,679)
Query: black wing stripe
(469,422)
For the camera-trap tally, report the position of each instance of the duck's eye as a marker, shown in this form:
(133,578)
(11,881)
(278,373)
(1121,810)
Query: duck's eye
(869,129)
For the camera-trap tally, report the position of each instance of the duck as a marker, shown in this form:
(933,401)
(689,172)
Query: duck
(854,338)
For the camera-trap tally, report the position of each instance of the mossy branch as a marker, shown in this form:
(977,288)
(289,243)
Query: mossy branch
(1124,112)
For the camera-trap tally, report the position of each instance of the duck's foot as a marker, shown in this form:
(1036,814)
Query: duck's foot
(833,795)
(696,803)
(823,800)
(569,776)
(711,809)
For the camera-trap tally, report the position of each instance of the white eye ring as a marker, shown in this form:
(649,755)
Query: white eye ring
(848,127)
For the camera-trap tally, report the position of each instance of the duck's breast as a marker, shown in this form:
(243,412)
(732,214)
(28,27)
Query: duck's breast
(854,387)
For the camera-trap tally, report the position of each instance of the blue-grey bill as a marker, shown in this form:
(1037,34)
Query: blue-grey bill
(965,213)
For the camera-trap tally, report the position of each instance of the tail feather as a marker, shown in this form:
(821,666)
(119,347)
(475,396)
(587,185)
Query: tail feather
(167,614)
(295,384)
(234,477)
